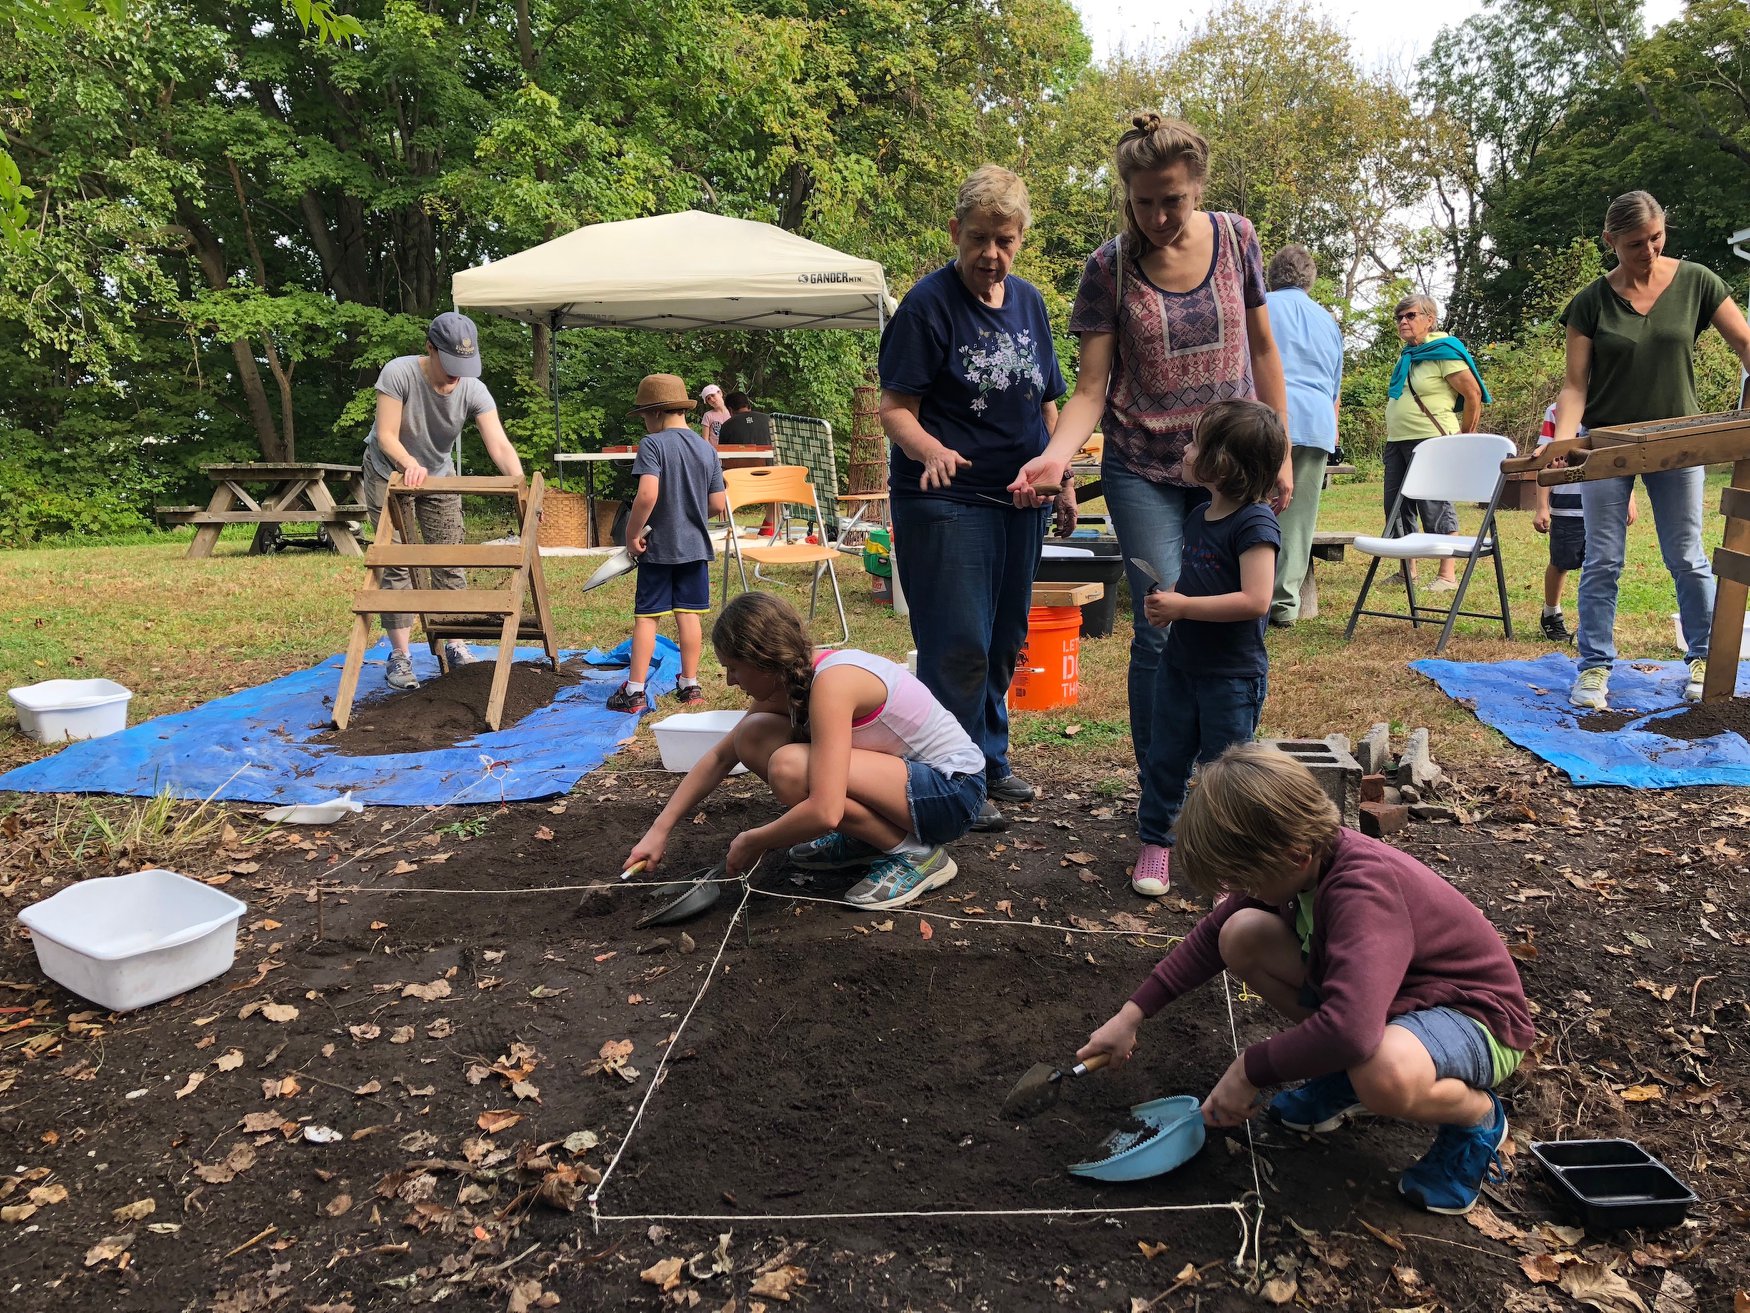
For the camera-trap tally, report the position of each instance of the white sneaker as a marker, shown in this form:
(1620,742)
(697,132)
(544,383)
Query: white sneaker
(1697,676)
(1591,689)
(457,654)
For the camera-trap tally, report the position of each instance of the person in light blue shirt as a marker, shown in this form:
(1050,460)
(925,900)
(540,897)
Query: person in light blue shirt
(1311,346)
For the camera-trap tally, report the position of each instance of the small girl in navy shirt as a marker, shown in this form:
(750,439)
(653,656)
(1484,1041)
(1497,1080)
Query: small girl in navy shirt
(1209,690)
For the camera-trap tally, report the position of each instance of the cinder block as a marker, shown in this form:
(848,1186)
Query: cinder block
(1416,767)
(1375,751)
(1379,819)
(1338,774)
(1373,788)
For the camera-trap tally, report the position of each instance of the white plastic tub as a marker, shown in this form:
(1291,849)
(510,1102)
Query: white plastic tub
(683,739)
(1677,629)
(125,941)
(60,709)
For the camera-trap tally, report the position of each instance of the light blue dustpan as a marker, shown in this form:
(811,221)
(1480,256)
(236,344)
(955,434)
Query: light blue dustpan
(1172,1134)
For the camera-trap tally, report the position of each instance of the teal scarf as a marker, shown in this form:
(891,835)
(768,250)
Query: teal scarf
(1445,347)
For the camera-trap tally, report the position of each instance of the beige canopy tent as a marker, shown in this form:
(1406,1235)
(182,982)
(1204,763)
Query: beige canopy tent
(676,272)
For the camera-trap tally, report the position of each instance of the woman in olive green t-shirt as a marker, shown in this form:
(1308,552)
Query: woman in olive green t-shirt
(1631,359)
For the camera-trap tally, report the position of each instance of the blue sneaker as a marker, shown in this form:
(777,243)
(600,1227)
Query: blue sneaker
(1449,1177)
(833,851)
(1322,1104)
(896,880)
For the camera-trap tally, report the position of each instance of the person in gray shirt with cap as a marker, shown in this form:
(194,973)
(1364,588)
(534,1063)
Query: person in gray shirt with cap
(423,403)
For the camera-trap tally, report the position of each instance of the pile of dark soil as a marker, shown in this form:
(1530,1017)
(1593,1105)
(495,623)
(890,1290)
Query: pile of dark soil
(1704,720)
(445,711)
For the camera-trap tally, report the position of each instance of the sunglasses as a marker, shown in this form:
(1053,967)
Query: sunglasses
(1409,314)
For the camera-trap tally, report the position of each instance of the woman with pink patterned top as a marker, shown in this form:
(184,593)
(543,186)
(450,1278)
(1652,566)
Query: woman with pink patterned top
(1172,319)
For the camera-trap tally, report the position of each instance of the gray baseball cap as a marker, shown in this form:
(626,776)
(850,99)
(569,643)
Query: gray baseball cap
(457,342)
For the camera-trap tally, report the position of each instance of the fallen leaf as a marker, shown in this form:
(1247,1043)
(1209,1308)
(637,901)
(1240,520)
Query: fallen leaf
(401,1035)
(687,944)
(580,1141)
(440,1029)
(778,1283)
(107,1249)
(1540,1268)
(542,991)
(665,1275)
(280,1012)
(1486,1220)
(1675,1295)
(1078,858)
(44,1195)
(364,1032)
(338,1205)
(885,927)
(501,1120)
(1384,1237)
(1151,1251)
(925,930)
(256,1122)
(240,1159)
(1280,1290)
(230,1060)
(194,1083)
(544,833)
(1597,1285)
(1006,907)
(17,1212)
(369,1087)
(439,988)
(1642,1093)
(136,1211)
(404,868)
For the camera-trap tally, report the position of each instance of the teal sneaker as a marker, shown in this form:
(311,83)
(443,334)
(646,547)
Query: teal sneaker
(1449,1177)
(1322,1104)
(896,880)
(833,851)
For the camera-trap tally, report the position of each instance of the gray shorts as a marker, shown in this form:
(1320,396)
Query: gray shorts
(1455,1042)
(440,521)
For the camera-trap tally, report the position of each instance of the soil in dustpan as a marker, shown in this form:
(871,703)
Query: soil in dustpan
(448,709)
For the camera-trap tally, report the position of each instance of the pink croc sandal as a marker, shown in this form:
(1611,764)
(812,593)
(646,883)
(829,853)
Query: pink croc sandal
(1150,877)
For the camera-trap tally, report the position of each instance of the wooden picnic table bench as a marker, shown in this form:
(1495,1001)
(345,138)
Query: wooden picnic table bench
(296,492)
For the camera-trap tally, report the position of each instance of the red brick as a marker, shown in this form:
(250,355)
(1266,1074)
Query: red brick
(1379,819)
(1373,788)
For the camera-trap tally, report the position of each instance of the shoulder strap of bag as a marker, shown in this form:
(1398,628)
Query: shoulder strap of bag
(1117,310)
(1410,382)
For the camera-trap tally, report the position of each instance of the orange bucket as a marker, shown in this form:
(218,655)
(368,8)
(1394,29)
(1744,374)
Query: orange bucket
(1049,672)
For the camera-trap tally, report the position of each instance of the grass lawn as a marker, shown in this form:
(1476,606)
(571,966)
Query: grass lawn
(182,632)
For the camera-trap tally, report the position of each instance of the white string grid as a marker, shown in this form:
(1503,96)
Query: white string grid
(1248,1209)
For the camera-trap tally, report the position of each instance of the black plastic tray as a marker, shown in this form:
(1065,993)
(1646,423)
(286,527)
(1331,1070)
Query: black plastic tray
(1614,1184)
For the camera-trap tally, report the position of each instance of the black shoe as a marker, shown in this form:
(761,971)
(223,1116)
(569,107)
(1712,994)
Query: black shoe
(1278,622)
(623,699)
(1011,788)
(990,818)
(1555,628)
(689,695)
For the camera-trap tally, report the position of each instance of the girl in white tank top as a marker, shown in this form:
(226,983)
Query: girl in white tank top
(872,771)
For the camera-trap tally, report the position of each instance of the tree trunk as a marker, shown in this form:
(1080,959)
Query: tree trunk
(211,257)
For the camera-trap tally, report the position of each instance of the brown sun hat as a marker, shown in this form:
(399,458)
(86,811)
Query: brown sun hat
(662,392)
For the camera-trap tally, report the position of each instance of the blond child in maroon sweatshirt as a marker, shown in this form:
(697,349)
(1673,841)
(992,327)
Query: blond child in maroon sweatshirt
(1402,998)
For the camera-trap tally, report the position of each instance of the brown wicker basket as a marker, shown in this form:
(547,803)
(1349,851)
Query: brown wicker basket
(564,519)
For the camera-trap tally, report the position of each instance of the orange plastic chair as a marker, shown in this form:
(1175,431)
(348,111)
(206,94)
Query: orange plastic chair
(786,485)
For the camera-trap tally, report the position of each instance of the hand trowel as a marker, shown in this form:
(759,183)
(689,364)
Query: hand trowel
(1041,1086)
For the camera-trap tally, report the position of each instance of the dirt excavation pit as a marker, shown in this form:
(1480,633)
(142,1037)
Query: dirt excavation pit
(448,709)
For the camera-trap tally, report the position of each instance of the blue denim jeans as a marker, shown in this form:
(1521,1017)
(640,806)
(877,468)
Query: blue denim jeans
(968,574)
(1196,718)
(1675,499)
(1149,518)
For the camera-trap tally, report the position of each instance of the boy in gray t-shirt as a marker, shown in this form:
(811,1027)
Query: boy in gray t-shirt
(423,403)
(680,484)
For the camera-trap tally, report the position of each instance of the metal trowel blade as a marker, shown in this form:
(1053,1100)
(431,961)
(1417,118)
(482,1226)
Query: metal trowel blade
(1034,1092)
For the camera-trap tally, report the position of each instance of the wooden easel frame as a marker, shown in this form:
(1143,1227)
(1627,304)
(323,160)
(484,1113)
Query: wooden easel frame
(444,614)
(1626,449)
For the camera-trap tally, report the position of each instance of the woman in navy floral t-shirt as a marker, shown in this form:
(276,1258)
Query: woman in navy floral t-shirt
(1172,319)
(969,388)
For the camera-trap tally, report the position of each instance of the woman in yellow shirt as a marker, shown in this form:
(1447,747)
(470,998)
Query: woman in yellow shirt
(1434,374)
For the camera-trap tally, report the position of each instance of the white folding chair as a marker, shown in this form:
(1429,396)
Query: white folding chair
(1460,467)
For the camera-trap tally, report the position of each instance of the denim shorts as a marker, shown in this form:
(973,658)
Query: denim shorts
(1455,1042)
(943,807)
(1567,542)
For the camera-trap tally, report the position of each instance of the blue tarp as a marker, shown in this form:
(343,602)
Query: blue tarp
(254,746)
(1528,702)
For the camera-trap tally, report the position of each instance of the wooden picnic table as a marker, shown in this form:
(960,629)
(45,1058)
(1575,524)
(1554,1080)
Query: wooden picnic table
(296,492)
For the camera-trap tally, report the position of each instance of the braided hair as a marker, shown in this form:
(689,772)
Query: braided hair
(765,632)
